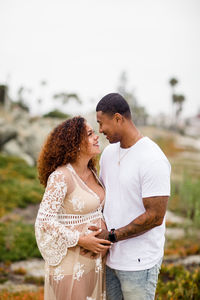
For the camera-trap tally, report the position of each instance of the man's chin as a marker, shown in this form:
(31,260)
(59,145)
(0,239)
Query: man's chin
(112,141)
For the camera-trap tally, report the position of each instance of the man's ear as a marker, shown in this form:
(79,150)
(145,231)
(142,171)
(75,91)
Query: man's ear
(118,117)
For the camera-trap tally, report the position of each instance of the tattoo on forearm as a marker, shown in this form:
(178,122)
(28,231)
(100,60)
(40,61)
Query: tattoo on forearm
(152,217)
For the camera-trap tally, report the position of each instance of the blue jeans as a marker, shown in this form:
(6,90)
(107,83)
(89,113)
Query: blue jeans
(132,285)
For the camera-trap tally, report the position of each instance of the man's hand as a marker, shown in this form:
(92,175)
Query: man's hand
(103,234)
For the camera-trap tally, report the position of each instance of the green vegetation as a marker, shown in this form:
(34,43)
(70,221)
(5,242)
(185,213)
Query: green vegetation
(185,198)
(182,247)
(176,282)
(19,184)
(26,295)
(17,242)
(20,187)
(34,280)
(168,146)
(185,186)
(56,114)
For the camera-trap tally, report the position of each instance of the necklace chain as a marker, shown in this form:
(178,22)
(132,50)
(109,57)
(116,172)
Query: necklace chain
(120,158)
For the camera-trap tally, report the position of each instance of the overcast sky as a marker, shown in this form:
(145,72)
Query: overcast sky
(83,46)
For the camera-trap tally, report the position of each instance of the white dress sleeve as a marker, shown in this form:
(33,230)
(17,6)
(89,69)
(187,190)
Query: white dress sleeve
(53,238)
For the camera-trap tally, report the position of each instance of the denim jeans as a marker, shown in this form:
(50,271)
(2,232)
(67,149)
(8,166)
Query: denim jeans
(132,285)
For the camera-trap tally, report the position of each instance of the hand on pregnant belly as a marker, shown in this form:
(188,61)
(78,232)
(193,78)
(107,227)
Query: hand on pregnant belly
(94,243)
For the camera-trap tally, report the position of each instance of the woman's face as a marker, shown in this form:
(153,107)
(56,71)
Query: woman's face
(93,141)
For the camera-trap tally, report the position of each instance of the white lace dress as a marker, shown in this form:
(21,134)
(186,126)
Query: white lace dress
(67,209)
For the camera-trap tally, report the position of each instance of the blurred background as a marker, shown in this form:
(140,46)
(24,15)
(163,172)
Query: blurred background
(57,60)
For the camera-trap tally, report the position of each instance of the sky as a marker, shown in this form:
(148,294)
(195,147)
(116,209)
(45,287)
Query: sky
(83,46)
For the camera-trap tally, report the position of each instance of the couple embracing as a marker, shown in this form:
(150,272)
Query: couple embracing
(102,237)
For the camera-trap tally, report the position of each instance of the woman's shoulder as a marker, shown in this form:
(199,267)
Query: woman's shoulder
(60,173)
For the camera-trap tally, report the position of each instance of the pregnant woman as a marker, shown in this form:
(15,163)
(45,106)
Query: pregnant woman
(72,202)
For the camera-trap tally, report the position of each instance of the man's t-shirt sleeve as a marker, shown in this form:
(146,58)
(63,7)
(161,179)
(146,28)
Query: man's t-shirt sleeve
(155,179)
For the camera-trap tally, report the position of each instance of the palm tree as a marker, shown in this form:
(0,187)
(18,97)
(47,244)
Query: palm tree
(173,82)
(22,98)
(66,97)
(177,103)
(178,100)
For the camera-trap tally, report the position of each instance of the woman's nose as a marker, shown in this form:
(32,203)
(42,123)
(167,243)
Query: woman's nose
(100,130)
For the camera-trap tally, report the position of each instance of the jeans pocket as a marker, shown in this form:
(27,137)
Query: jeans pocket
(152,279)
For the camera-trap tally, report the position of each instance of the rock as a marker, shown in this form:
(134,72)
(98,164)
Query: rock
(33,267)
(189,142)
(7,133)
(174,233)
(12,287)
(22,136)
(13,148)
(190,260)
(172,218)
(186,261)
(27,215)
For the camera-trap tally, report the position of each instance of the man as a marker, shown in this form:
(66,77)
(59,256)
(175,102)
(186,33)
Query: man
(136,175)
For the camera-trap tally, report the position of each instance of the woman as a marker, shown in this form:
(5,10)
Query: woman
(72,202)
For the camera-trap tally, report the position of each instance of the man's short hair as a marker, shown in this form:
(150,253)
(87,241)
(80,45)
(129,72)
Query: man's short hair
(114,103)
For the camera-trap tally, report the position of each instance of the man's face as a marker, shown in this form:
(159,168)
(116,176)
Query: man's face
(109,126)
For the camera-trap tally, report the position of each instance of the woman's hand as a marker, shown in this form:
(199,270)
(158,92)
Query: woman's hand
(94,244)
(102,233)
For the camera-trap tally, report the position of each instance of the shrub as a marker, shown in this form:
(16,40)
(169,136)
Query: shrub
(34,280)
(185,198)
(189,245)
(176,282)
(25,295)
(17,242)
(56,114)
(19,184)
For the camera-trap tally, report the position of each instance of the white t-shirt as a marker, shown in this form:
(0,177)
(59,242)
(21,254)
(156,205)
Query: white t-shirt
(144,171)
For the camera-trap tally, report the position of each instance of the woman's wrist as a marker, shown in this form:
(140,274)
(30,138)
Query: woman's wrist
(80,240)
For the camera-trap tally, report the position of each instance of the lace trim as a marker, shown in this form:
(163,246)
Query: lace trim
(52,237)
(70,219)
(69,166)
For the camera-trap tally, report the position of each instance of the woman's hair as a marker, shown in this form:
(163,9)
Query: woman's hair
(114,103)
(62,146)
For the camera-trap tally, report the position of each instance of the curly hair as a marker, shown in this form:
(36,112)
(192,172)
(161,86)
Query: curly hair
(62,146)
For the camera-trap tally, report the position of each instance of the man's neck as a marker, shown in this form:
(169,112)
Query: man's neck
(130,136)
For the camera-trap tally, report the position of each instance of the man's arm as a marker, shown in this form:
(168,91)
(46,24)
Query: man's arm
(153,216)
